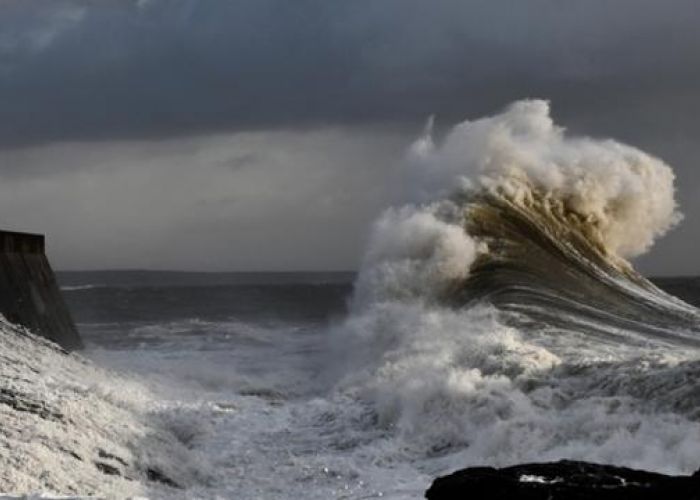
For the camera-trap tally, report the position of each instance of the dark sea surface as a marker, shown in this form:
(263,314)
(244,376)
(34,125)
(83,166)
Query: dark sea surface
(686,288)
(109,304)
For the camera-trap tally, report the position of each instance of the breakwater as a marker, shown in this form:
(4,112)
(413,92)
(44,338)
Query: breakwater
(29,293)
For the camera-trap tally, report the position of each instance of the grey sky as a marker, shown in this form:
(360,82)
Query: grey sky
(261,134)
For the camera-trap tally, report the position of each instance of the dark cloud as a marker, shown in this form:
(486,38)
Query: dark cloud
(155,68)
(260,134)
(173,204)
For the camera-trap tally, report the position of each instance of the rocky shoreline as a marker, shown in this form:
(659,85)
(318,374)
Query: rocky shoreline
(72,428)
(564,480)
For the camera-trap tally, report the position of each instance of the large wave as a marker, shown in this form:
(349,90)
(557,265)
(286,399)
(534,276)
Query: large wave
(515,212)
(496,314)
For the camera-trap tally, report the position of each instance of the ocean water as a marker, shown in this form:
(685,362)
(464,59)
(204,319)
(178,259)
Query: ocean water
(247,372)
(238,364)
(496,318)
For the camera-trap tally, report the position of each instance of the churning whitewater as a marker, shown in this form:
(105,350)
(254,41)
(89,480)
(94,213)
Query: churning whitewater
(496,319)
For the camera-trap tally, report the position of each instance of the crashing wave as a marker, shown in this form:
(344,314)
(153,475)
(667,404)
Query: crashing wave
(552,264)
(516,213)
(497,318)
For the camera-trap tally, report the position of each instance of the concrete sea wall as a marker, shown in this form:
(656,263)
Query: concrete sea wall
(29,293)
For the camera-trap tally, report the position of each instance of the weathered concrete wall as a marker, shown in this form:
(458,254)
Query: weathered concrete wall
(29,294)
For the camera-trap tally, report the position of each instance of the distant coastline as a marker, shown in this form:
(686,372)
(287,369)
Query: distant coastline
(133,277)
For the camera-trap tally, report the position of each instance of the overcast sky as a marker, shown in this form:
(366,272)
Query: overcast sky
(262,134)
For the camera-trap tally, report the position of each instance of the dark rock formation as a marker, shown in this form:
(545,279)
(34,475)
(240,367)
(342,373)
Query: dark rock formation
(29,295)
(159,477)
(26,403)
(565,480)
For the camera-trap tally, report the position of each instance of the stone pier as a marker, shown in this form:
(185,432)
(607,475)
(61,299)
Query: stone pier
(29,293)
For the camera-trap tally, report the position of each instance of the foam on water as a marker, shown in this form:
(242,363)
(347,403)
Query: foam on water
(419,391)
(70,427)
(467,390)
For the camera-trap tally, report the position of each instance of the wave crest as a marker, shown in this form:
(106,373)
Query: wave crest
(625,195)
(513,200)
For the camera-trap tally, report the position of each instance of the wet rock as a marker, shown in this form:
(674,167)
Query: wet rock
(158,476)
(29,294)
(104,454)
(564,480)
(108,469)
(23,402)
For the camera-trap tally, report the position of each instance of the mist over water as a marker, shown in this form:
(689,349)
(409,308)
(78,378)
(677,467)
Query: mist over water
(495,319)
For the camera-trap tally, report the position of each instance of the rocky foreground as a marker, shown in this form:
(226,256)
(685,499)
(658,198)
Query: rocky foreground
(564,480)
(68,427)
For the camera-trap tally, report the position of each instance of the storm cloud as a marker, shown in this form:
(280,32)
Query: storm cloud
(154,68)
(192,107)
